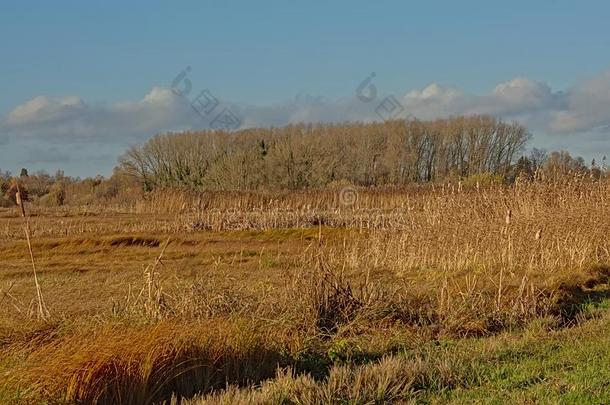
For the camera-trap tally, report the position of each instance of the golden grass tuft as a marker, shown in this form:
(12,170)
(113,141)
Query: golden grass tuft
(115,364)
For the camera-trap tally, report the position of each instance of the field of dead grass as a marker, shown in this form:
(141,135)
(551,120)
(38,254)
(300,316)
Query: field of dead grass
(299,297)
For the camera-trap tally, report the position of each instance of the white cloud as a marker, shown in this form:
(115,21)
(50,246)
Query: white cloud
(45,109)
(587,107)
(72,118)
(584,110)
(520,99)
(305,109)
(435,92)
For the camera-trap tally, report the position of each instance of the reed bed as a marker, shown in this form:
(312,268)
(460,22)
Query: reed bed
(408,267)
(388,208)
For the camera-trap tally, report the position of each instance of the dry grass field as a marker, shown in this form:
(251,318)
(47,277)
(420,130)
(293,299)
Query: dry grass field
(443,293)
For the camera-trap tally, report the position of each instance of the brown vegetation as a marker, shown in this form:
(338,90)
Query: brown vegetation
(249,282)
(335,258)
(303,156)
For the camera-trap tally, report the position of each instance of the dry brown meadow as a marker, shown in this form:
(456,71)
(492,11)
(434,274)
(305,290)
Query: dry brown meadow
(179,293)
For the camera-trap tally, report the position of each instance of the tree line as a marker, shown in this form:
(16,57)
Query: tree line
(315,155)
(478,149)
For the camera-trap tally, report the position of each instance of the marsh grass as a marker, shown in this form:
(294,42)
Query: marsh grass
(537,365)
(341,311)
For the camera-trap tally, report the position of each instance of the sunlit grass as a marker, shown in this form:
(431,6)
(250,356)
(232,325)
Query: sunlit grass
(491,294)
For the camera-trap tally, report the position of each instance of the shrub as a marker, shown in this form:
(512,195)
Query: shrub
(5,202)
(55,197)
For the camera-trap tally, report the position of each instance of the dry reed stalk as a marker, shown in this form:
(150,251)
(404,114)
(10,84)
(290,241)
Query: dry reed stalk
(8,294)
(43,312)
(154,291)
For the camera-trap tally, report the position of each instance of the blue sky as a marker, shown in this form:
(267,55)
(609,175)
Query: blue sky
(81,81)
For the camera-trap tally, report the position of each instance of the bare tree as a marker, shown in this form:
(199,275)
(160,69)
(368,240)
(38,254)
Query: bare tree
(306,155)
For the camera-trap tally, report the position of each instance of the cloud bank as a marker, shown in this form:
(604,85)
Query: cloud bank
(71,118)
(582,109)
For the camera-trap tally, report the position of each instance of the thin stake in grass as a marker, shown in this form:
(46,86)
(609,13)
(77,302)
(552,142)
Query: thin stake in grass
(43,312)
